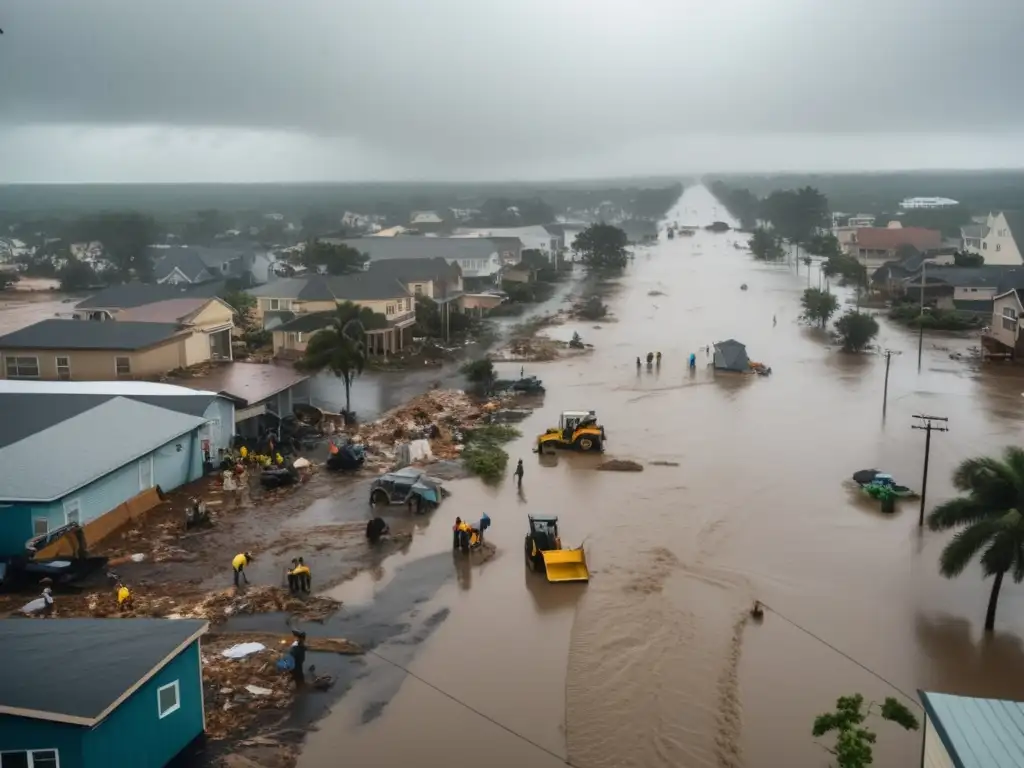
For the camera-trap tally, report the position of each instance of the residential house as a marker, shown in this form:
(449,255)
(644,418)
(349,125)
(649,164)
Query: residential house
(971,237)
(967,732)
(249,265)
(83,350)
(510,249)
(262,393)
(108,303)
(873,246)
(81,463)
(378,289)
(426,221)
(1004,238)
(892,275)
(1003,338)
(966,289)
(535,238)
(478,258)
(100,693)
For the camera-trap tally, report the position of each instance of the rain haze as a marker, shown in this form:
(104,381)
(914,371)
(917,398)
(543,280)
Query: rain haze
(118,91)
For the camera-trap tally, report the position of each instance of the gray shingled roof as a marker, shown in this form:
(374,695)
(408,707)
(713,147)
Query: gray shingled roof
(990,275)
(112,435)
(26,413)
(371,285)
(308,323)
(412,270)
(56,333)
(111,656)
(382,248)
(130,295)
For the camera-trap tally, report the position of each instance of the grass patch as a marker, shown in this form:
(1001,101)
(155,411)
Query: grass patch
(484,455)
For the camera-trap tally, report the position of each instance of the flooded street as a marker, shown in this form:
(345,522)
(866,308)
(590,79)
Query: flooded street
(653,663)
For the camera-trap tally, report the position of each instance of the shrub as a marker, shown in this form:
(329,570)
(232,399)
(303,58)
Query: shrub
(485,459)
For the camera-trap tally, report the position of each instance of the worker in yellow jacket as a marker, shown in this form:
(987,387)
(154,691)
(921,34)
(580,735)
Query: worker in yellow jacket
(238,564)
(124,598)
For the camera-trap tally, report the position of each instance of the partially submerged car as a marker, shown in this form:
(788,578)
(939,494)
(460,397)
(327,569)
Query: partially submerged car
(410,486)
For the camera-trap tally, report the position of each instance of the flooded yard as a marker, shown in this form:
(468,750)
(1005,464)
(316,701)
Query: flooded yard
(653,662)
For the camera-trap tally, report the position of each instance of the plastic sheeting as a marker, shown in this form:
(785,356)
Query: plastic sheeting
(242,650)
(413,451)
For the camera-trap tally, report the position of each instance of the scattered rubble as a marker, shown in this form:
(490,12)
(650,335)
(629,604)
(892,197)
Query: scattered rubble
(620,465)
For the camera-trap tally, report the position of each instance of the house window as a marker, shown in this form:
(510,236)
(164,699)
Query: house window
(168,699)
(37,758)
(298,337)
(984,246)
(64,368)
(72,511)
(123,366)
(40,526)
(22,367)
(1009,319)
(274,304)
(390,309)
(417,289)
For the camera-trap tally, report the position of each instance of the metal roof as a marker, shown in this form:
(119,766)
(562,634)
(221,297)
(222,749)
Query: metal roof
(57,333)
(82,669)
(55,461)
(26,413)
(248,383)
(978,733)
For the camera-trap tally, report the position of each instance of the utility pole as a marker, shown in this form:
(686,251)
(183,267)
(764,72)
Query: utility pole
(885,393)
(928,427)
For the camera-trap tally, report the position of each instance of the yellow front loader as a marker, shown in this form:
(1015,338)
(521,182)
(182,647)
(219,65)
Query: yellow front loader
(544,552)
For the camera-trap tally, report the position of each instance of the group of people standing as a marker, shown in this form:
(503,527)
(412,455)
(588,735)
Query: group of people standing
(653,358)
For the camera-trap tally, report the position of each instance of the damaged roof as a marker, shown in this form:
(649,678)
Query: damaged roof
(79,670)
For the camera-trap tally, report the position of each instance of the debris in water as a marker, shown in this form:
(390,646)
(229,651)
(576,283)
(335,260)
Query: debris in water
(621,465)
(664,463)
(655,293)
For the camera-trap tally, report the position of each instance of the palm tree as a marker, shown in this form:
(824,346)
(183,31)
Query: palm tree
(341,347)
(989,520)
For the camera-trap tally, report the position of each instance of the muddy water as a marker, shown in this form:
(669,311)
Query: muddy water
(22,308)
(652,664)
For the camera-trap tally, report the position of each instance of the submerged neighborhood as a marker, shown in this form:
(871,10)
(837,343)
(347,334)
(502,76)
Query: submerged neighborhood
(173,481)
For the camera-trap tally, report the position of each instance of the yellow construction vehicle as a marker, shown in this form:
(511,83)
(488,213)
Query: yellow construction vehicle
(544,552)
(577,430)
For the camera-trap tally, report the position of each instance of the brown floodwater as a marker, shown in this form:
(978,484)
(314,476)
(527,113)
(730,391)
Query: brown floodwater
(653,663)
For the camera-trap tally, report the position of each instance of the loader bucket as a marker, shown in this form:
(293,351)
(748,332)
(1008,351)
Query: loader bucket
(566,565)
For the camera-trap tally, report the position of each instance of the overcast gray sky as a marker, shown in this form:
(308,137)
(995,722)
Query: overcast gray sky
(253,90)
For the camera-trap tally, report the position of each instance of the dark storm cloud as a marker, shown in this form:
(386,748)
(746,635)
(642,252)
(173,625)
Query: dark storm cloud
(496,82)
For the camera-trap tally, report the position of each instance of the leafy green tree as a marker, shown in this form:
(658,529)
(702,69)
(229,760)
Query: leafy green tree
(76,275)
(243,304)
(480,371)
(765,245)
(856,330)
(602,246)
(819,306)
(823,245)
(337,259)
(125,238)
(968,259)
(534,259)
(988,521)
(743,204)
(853,746)
(341,347)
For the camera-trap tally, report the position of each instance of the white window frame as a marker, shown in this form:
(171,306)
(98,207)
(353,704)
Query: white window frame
(58,366)
(13,359)
(46,526)
(122,357)
(143,464)
(32,755)
(161,714)
(72,505)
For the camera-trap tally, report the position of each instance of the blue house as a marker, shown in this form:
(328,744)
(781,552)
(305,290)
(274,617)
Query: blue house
(74,457)
(99,693)
(965,732)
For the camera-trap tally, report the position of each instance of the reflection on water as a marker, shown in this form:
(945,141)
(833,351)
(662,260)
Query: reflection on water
(659,654)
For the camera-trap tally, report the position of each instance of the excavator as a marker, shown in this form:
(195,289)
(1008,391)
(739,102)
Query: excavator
(59,556)
(545,554)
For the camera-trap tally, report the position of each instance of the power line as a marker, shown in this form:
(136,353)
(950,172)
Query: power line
(845,655)
(475,711)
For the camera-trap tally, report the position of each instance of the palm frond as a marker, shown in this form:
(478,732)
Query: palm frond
(981,471)
(956,512)
(1013,458)
(959,552)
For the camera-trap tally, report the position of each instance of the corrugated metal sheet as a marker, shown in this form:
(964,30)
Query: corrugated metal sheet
(54,462)
(978,733)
